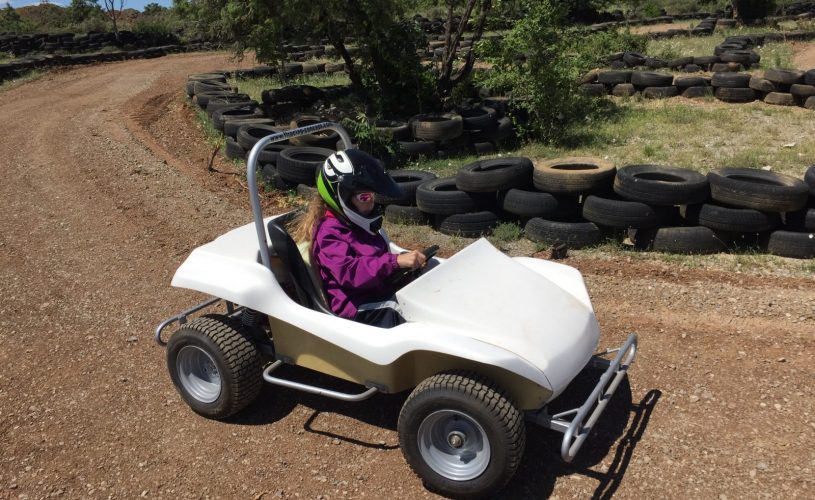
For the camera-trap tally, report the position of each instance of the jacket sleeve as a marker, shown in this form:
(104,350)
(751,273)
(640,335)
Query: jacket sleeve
(353,271)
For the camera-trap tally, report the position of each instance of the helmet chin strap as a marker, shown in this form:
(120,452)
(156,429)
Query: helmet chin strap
(371,226)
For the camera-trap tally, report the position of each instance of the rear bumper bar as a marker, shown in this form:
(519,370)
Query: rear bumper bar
(576,430)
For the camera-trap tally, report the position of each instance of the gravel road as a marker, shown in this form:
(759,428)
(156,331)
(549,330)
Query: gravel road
(105,191)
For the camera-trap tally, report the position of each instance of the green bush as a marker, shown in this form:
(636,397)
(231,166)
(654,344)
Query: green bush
(12,22)
(539,63)
(368,138)
(751,10)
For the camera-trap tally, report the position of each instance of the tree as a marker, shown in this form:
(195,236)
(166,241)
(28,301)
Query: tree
(384,67)
(113,9)
(82,10)
(152,9)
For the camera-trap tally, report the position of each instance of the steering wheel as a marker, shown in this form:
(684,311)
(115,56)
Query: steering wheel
(400,275)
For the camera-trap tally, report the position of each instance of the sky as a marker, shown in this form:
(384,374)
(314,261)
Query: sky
(129,4)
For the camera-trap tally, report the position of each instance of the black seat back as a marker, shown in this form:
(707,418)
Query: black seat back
(285,248)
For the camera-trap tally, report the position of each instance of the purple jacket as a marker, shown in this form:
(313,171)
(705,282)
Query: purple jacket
(353,265)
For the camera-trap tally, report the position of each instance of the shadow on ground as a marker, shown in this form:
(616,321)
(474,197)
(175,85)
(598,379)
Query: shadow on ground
(624,423)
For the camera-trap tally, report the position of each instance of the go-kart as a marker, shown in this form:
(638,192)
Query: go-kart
(489,342)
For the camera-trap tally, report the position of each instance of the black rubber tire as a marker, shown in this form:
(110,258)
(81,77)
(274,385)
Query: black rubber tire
(633,59)
(233,150)
(217,77)
(408,181)
(801,220)
(731,80)
(415,149)
(249,135)
(661,185)
(468,225)
(478,118)
(614,77)
(203,98)
(757,189)
(573,234)
(573,175)
(306,191)
(325,139)
(402,214)
(486,176)
(231,125)
(762,85)
(240,100)
(398,130)
(809,77)
(270,153)
(234,354)
(436,127)
(201,87)
(220,117)
(624,90)
(660,92)
(527,204)
(797,245)
(802,92)
(809,179)
(442,197)
(643,79)
(697,92)
(737,220)
(683,82)
(482,401)
(299,165)
(593,89)
(810,103)
(693,240)
(735,95)
(706,61)
(784,76)
(622,213)
(780,99)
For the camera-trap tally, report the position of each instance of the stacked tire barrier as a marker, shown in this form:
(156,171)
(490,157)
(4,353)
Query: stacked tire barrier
(19,67)
(50,43)
(659,20)
(779,87)
(584,201)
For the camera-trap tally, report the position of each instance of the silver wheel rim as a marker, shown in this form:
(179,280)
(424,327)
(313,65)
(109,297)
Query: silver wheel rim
(198,374)
(454,445)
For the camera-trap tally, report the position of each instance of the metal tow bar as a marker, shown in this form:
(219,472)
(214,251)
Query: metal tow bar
(578,428)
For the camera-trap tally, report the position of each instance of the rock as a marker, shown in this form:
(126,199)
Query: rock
(132,339)
(694,398)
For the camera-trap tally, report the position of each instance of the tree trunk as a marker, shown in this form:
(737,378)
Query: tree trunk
(446,80)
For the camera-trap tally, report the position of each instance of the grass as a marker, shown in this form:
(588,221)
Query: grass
(29,76)
(699,135)
(254,86)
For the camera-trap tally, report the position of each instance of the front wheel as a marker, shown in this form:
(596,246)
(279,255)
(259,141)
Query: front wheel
(461,434)
(215,366)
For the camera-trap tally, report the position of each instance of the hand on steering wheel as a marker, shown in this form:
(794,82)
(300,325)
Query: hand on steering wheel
(403,273)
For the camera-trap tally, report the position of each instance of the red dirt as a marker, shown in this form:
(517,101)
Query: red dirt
(105,191)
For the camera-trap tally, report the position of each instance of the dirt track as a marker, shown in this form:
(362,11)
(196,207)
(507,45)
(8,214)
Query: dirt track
(104,193)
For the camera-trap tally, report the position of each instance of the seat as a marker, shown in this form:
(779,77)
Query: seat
(285,248)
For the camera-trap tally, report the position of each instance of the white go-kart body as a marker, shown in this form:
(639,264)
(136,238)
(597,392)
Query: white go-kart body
(525,325)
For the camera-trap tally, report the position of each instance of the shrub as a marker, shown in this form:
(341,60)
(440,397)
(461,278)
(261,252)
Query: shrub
(539,62)
(368,138)
(751,10)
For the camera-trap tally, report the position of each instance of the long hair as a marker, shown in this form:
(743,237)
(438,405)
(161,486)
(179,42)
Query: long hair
(302,228)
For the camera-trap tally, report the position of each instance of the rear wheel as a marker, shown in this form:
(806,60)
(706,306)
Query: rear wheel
(215,366)
(461,434)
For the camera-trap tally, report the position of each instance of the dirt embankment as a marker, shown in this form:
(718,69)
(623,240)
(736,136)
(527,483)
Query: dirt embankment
(105,191)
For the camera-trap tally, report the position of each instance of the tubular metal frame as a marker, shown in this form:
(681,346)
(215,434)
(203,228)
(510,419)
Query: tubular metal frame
(251,175)
(578,428)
